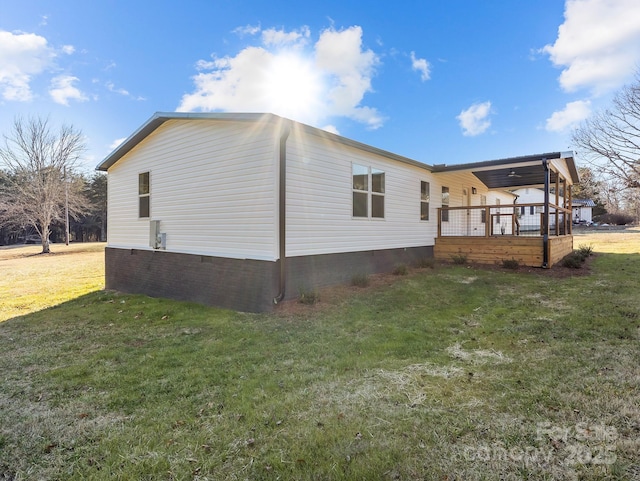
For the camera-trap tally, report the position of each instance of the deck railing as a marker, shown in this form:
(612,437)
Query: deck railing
(503,220)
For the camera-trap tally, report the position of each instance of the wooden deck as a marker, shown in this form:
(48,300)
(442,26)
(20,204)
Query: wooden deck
(528,251)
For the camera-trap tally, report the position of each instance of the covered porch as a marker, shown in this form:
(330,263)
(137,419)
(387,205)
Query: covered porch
(534,234)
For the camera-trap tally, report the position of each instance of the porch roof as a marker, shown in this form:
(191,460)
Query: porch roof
(515,172)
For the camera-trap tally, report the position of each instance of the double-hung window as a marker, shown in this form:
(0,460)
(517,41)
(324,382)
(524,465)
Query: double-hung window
(144,195)
(424,200)
(368,186)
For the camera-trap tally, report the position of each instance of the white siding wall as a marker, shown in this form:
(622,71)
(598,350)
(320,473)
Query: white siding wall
(213,187)
(319,200)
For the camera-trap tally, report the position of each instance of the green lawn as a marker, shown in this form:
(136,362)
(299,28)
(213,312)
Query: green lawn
(451,373)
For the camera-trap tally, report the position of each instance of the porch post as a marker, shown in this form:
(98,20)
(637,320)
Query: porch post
(570,207)
(557,214)
(488,225)
(545,220)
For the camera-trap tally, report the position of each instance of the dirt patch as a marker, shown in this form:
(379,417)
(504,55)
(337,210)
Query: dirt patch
(332,296)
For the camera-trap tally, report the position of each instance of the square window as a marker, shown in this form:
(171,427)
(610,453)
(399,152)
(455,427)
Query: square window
(360,207)
(360,177)
(424,210)
(144,206)
(143,183)
(377,206)
(377,181)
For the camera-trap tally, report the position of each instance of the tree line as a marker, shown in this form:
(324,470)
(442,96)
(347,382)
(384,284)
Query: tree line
(43,196)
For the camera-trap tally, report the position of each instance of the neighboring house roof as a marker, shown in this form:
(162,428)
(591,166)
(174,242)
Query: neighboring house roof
(160,118)
(583,203)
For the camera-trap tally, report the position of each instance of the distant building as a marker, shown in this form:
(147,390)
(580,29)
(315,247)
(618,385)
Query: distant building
(583,210)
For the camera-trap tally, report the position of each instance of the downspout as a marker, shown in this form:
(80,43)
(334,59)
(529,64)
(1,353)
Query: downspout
(545,234)
(282,213)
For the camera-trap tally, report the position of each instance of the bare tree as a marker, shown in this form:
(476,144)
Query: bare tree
(40,171)
(610,140)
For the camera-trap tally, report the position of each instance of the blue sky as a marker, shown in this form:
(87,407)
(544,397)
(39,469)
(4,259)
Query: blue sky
(437,81)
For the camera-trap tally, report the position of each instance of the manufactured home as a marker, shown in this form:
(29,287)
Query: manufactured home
(245,210)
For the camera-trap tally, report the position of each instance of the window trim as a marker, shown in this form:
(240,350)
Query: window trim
(142,195)
(423,201)
(370,193)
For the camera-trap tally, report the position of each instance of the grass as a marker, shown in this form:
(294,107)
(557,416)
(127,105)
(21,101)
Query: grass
(459,259)
(31,281)
(400,270)
(510,264)
(360,280)
(450,373)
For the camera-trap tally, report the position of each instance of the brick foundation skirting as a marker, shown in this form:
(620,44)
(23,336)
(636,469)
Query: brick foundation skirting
(241,284)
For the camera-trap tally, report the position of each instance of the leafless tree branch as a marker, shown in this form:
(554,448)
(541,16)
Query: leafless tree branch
(40,165)
(610,140)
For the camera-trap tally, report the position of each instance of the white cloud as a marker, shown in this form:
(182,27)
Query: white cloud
(475,120)
(22,56)
(112,88)
(286,76)
(117,143)
(422,66)
(332,129)
(120,91)
(598,45)
(573,113)
(62,90)
(279,38)
(247,30)
(68,49)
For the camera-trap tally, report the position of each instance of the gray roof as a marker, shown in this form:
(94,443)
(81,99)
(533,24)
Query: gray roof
(583,203)
(495,174)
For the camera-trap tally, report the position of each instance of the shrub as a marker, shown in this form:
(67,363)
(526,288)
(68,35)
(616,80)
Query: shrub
(308,297)
(585,250)
(400,270)
(616,219)
(459,259)
(360,280)
(425,262)
(573,260)
(510,264)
